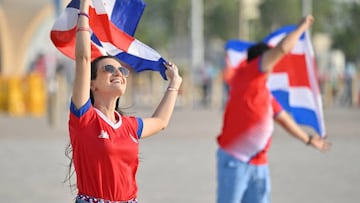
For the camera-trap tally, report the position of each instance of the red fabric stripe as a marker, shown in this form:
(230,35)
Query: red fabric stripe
(107,32)
(295,67)
(65,43)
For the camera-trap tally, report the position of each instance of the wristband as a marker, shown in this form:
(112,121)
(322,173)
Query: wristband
(310,139)
(83,14)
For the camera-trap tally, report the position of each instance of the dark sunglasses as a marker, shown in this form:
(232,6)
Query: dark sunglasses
(111,69)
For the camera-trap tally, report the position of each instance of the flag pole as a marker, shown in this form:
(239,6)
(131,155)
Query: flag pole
(197,43)
(243,30)
(306,7)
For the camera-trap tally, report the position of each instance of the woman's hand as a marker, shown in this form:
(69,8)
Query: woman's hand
(307,21)
(172,72)
(320,143)
(161,116)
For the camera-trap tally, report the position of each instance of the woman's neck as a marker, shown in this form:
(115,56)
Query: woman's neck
(108,112)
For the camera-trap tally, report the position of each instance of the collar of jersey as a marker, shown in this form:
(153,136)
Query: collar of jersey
(113,125)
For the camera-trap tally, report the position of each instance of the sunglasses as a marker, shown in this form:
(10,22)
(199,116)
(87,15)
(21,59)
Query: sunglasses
(111,69)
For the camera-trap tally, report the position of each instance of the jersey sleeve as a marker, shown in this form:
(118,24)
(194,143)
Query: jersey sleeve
(277,108)
(261,70)
(256,66)
(134,124)
(140,127)
(83,115)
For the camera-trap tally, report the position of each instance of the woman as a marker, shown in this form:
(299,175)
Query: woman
(105,143)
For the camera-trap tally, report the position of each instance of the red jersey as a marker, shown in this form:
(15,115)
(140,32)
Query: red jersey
(248,118)
(261,157)
(105,154)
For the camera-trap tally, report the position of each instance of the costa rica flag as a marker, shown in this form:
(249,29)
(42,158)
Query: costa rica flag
(113,24)
(293,81)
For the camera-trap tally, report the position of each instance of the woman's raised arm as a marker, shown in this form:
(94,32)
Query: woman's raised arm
(161,117)
(81,88)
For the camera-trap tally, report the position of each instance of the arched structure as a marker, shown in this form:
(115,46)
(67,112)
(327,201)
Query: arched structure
(20,23)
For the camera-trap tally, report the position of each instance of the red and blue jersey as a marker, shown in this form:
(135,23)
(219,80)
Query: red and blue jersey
(105,154)
(248,118)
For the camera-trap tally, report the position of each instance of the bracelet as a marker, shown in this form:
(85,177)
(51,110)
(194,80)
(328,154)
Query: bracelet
(79,29)
(310,139)
(83,14)
(172,89)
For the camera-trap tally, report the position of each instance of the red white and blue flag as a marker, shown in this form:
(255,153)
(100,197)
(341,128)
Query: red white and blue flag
(113,24)
(293,81)
(236,52)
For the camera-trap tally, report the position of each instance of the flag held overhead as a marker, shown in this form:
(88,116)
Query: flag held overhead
(293,81)
(113,24)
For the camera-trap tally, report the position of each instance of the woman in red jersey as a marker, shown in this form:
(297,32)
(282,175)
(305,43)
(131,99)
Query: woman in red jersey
(104,143)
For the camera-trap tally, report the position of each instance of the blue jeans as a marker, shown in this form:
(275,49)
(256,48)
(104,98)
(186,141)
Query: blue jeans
(80,201)
(240,182)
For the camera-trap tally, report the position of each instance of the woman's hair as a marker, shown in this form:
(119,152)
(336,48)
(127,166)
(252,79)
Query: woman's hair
(256,50)
(68,149)
(71,171)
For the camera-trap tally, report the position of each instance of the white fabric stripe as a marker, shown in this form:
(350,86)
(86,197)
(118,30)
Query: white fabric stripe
(109,6)
(110,48)
(235,57)
(299,47)
(278,81)
(99,6)
(140,49)
(67,20)
(142,52)
(298,96)
(302,97)
(276,39)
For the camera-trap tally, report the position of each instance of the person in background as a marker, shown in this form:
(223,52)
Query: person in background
(104,142)
(242,164)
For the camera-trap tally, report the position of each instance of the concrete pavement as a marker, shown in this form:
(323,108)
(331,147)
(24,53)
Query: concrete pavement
(178,165)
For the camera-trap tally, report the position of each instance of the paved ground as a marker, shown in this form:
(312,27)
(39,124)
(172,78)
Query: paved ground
(178,165)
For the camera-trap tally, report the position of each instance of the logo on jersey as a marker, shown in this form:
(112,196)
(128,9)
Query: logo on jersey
(103,135)
(133,139)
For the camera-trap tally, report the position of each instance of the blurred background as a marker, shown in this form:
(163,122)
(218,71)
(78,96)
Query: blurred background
(36,80)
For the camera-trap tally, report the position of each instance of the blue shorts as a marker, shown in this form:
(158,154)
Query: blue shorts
(240,182)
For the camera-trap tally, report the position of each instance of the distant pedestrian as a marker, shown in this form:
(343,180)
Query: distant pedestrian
(242,165)
(347,96)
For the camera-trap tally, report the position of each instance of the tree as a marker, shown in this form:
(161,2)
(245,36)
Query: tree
(346,36)
(162,21)
(277,13)
(221,19)
(165,20)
